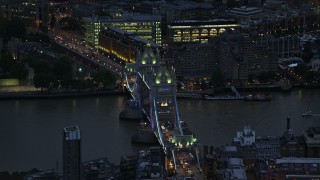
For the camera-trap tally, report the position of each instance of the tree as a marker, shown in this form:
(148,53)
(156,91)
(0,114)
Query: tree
(71,23)
(18,70)
(16,27)
(5,64)
(39,66)
(104,77)
(62,69)
(217,79)
(307,52)
(44,81)
(52,21)
(79,84)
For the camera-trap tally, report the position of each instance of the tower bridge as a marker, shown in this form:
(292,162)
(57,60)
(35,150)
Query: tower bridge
(153,86)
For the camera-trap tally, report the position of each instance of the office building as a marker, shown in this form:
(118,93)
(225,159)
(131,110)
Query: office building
(145,26)
(71,153)
(122,45)
(186,31)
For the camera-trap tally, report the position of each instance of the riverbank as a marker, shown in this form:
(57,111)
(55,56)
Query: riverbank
(57,94)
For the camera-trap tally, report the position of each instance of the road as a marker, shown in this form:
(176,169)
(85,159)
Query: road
(73,41)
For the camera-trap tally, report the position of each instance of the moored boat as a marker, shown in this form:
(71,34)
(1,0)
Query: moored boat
(257,98)
(307,114)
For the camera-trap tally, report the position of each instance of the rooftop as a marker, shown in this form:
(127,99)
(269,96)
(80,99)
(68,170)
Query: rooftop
(313,132)
(71,128)
(298,160)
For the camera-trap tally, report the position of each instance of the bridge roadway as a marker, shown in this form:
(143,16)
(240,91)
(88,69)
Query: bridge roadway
(153,86)
(71,44)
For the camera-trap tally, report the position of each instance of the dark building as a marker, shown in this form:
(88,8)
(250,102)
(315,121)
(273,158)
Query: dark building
(128,166)
(241,57)
(289,168)
(209,163)
(71,153)
(34,13)
(312,139)
(194,61)
(44,175)
(291,145)
(98,169)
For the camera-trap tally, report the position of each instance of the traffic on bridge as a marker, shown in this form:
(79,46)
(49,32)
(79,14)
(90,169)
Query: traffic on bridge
(73,42)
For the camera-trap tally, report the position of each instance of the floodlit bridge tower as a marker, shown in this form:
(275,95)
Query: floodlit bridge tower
(153,86)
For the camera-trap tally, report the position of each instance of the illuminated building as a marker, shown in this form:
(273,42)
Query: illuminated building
(145,26)
(122,45)
(71,153)
(34,13)
(198,30)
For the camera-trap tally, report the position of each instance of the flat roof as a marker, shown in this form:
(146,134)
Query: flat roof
(298,160)
(131,18)
(71,128)
(203,22)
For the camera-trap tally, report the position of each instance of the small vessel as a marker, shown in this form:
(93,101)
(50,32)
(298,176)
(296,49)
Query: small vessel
(207,97)
(307,114)
(257,98)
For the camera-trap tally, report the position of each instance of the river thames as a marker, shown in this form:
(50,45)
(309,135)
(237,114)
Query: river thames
(31,130)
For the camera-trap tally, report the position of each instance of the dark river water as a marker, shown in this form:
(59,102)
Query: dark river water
(31,130)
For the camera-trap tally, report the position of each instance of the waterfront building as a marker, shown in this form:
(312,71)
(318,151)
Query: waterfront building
(226,152)
(315,65)
(209,163)
(245,140)
(235,170)
(244,12)
(291,145)
(98,169)
(200,31)
(283,47)
(145,26)
(71,153)
(291,168)
(44,175)
(122,45)
(150,164)
(188,10)
(34,13)
(128,166)
(193,62)
(240,58)
(268,147)
(290,62)
(312,139)
(246,137)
